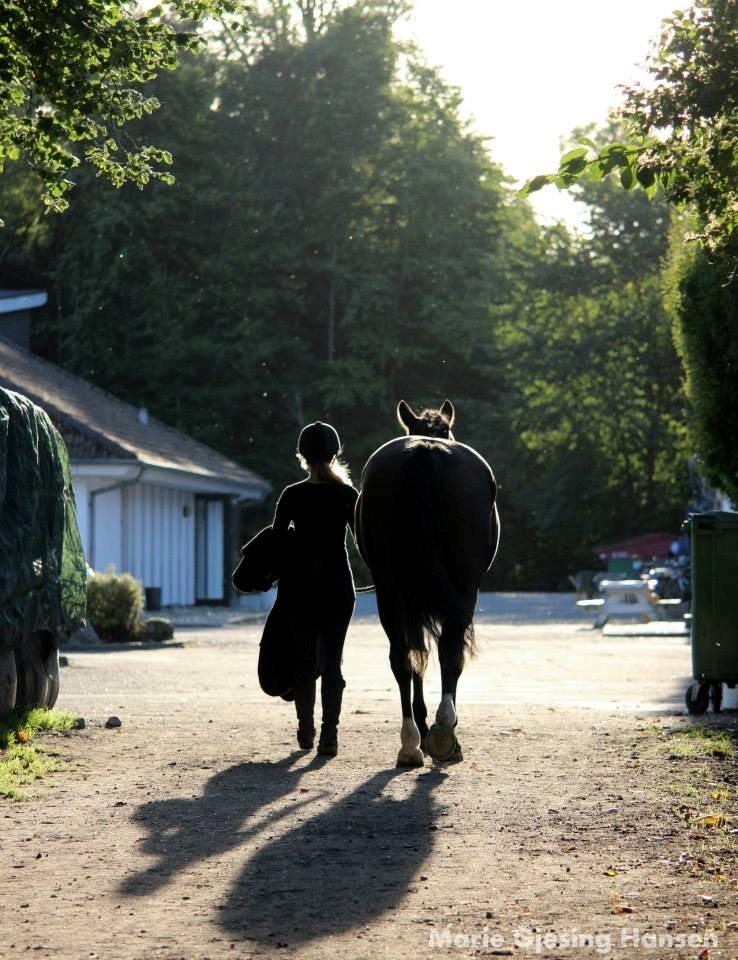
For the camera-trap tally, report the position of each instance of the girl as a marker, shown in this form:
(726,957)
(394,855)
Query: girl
(316,590)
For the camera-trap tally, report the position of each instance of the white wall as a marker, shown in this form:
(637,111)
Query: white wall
(158,545)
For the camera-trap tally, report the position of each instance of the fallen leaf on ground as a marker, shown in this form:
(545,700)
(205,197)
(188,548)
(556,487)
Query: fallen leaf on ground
(711,820)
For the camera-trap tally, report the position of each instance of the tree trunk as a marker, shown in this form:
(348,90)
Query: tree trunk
(332,308)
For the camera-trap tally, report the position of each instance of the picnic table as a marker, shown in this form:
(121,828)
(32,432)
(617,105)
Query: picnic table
(626,598)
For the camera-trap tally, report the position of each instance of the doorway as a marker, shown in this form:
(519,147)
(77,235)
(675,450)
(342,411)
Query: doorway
(210,546)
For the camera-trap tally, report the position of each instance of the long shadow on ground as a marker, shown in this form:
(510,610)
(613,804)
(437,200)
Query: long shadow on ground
(338,870)
(185,831)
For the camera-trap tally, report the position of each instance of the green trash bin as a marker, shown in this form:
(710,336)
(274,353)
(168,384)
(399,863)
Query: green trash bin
(714,550)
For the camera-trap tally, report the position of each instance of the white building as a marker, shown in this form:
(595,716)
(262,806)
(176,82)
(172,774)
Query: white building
(151,501)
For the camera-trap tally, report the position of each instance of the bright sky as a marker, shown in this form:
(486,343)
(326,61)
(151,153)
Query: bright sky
(532,70)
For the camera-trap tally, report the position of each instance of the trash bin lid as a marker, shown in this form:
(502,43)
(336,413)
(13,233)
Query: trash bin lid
(713,518)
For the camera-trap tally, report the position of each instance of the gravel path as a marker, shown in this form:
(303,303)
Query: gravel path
(197,829)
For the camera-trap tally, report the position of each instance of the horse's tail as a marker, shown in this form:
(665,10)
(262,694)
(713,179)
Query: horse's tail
(427,598)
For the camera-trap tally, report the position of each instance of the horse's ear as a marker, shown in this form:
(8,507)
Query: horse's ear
(406,416)
(447,409)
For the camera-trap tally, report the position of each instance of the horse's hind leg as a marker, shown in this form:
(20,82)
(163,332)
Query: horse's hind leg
(410,754)
(441,740)
(420,711)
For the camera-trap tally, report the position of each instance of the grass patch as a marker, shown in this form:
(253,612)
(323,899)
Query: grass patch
(21,762)
(22,726)
(694,767)
(701,741)
(21,765)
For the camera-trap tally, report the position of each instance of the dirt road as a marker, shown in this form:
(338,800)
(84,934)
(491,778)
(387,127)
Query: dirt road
(198,830)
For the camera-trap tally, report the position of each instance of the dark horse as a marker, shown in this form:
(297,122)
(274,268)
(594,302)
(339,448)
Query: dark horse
(427,527)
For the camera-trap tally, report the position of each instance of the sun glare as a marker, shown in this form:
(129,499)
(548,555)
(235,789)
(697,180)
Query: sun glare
(531,71)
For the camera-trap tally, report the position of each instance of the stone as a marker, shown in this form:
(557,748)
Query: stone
(113,722)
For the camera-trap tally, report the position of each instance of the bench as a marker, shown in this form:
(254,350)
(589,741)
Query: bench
(625,598)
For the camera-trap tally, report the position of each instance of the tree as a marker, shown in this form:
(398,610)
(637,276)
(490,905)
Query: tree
(336,239)
(681,129)
(594,389)
(682,132)
(71,74)
(703,300)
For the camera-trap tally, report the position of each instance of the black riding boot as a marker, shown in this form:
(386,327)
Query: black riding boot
(305,707)
(331,695)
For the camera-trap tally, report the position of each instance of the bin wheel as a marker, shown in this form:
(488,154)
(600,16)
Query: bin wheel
(716,696)
(697,697)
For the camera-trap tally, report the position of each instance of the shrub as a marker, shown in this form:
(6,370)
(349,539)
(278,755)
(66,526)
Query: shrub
(114,606)
(702,295)
(157,628)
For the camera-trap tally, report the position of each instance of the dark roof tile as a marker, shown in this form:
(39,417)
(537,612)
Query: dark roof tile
(97,426)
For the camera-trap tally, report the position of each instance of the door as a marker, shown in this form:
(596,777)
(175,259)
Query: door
(210,550)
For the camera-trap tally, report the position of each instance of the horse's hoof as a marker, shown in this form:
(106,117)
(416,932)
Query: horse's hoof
(457,756)
(441,742)
(410,758)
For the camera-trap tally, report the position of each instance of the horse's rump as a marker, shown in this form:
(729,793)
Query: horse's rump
(425,523)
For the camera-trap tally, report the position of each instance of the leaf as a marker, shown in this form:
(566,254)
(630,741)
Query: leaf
(720,794)
(626,178)
(711,820)
(575,154)
(611,872)
(652,190)
(574,166)
(645,176)
(537,183)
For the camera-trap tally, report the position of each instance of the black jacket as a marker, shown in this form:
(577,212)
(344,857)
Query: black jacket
(259,566)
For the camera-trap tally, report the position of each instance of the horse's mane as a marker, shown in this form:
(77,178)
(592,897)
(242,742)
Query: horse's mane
(435,420)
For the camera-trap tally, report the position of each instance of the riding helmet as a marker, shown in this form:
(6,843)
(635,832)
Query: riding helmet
(318,443)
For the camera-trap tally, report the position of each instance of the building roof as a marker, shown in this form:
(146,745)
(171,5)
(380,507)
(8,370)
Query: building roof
(646,545)
(15,300)
(96,426)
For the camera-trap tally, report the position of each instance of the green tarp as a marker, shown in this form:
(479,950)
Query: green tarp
(42,565)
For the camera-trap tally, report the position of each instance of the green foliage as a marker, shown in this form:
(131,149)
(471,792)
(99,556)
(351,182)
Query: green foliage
(21,762)
(681,128)
(22,726)
(71,76)
(598,412)
(21,765)
(352,244)
(156,629)
(114,606)
(703,299)
(594,392)
(345,249)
